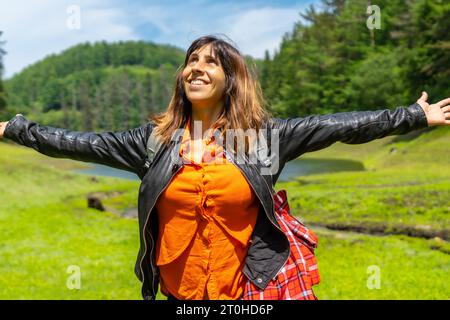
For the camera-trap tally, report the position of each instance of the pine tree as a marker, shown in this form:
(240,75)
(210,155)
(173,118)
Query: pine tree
(2,91)
(144,90)
(126,102)
(87,114)
(433,67)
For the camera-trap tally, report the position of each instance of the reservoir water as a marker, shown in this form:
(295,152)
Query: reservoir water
(292,169)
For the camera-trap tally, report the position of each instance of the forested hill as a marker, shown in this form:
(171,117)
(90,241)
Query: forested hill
(332,61)
(100,86)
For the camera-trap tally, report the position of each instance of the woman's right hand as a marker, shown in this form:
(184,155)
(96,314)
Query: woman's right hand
(2,128)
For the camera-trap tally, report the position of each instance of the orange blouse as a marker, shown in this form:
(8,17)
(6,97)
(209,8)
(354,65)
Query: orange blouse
(206,218)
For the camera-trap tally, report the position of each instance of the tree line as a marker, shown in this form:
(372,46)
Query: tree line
(332,61)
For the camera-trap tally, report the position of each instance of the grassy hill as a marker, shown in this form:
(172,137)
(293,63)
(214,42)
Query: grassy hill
(45,227)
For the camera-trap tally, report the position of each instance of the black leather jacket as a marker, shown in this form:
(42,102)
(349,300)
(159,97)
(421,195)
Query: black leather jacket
(269,247)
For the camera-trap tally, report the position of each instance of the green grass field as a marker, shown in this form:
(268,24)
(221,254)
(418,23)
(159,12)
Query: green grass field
(46,227)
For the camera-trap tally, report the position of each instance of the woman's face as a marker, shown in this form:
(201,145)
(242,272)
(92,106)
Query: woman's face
(204,78)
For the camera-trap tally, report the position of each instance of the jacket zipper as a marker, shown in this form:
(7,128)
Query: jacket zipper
(145,228)
(289,248)
(248,181)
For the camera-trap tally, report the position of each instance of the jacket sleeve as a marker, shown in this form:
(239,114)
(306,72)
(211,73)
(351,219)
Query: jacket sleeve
(122,150)
(315,132)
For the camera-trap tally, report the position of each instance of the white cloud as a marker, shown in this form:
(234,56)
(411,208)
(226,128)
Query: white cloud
(253,30)
(32,32)
(256,30)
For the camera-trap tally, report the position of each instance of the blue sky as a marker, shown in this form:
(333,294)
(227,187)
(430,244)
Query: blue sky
(34,31)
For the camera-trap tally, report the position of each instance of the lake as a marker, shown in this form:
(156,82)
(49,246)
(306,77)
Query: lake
(295,168)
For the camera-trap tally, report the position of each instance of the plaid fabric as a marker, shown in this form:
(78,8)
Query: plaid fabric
(300,273)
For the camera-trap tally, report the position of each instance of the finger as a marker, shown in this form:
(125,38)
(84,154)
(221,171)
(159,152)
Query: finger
(444,102)
(424,96)
(446,109)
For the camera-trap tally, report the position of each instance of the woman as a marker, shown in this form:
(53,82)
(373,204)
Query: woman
(208,226)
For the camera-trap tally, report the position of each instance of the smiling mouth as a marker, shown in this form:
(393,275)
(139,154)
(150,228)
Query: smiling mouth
(198,82)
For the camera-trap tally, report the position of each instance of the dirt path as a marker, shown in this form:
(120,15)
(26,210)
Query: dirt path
(412,231)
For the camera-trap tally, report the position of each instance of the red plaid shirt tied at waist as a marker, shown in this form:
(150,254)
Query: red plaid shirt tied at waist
(300,273)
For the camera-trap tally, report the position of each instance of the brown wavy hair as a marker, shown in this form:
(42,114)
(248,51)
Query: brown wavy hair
(244,105)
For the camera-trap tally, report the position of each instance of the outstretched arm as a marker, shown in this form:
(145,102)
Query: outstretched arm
(315,132)
(123,150)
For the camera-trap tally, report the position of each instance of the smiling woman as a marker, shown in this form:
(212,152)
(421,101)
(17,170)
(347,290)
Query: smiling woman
(204,230)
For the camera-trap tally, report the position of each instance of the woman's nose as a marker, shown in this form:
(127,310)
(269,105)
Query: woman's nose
(197,70)
(199,67)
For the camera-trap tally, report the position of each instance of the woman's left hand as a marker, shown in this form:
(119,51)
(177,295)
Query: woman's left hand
(438,114)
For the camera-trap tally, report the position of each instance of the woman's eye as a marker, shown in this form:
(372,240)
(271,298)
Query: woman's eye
(195,59)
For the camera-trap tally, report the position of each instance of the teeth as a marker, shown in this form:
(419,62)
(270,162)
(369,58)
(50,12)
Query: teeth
(197,82)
